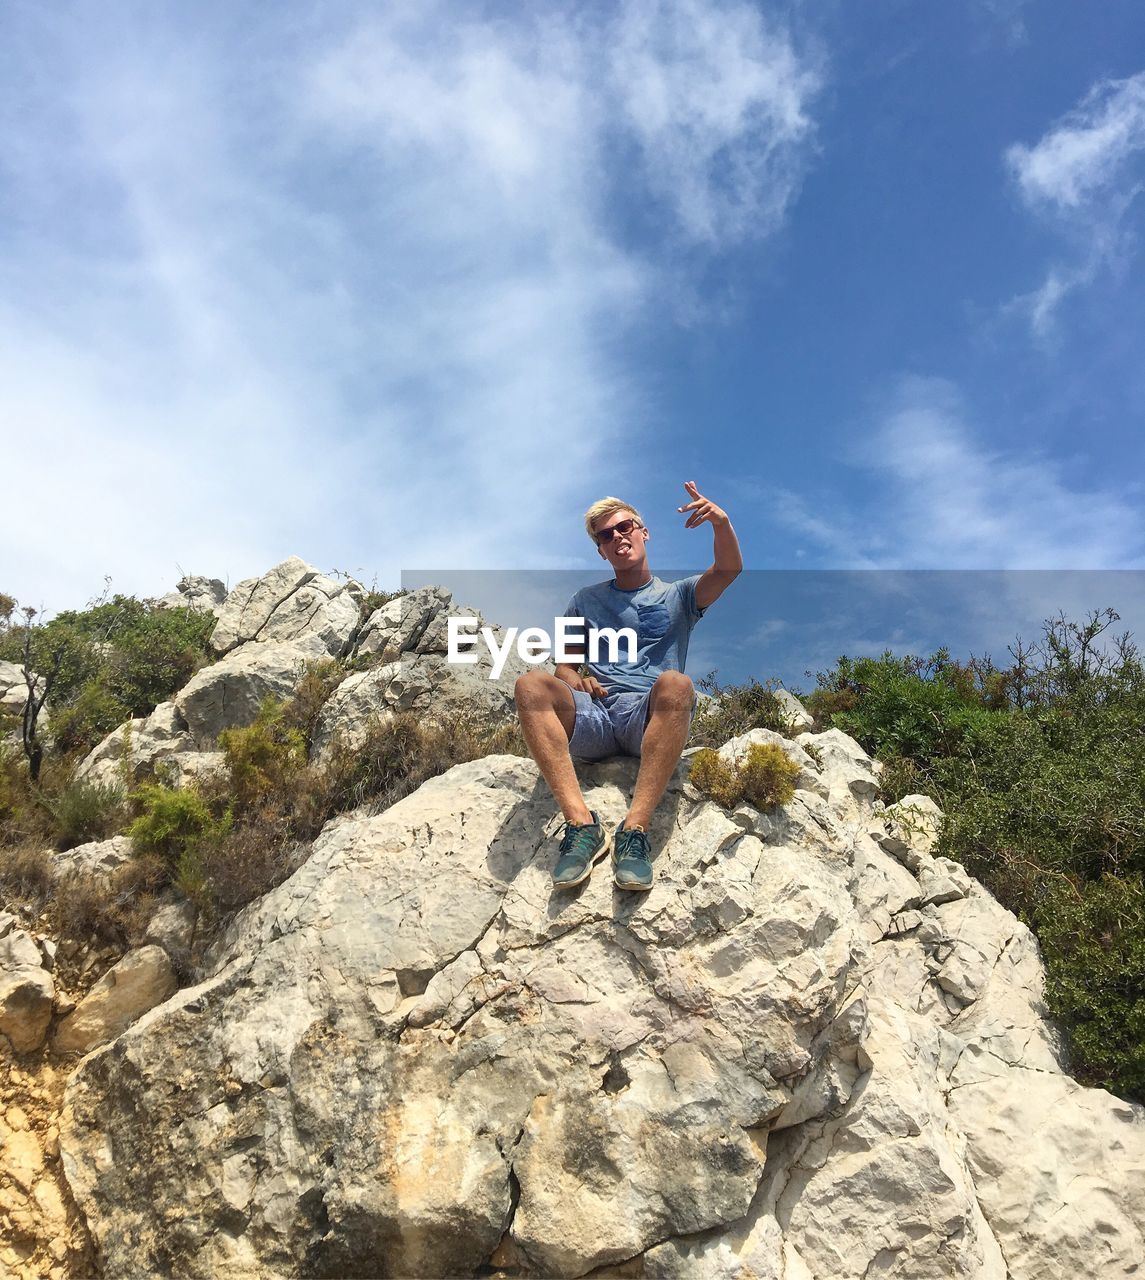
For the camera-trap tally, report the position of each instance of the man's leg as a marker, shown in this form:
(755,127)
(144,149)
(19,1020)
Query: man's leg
(670,718)
(547,713)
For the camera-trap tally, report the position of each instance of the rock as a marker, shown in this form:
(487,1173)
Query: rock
(1063,1197)
(205,595)
(145,741)
(408,637)
(228,694)
(140,981)
(847,771)
(292,603)
(26,991)
(98,857)
(797,714)
(792,1058)
(13,688)
(172,927)
(412,623)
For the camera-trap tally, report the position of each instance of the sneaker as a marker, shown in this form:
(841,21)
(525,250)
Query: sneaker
(580,847)
(632,858)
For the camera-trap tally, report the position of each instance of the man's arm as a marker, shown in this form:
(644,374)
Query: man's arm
(727,562)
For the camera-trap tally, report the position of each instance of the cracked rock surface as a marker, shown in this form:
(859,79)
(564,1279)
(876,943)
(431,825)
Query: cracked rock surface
(811,1051)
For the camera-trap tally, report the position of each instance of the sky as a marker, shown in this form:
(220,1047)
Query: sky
(405,287)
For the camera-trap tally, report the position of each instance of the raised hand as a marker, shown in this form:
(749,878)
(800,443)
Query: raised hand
(701,508)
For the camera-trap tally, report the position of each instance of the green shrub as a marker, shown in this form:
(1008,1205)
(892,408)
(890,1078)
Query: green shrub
(906,707)
(117,659)
(1093,944)
(178,827)
(85,811)
(263,758)
(765,778)
(95,711)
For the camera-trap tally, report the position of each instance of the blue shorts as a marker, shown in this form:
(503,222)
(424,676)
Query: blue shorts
(610,726)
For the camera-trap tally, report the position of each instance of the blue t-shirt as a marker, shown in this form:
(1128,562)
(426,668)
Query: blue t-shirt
(661,613)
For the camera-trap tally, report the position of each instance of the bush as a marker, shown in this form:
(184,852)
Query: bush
(263,759)
(405,750)
(93,713)
(1093,943)
(84,811)
(114,660)
(177,826)
(910,707)
(26,874)
(734,709)
(765,778)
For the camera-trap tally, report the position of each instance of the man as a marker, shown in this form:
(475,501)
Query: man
(642,708)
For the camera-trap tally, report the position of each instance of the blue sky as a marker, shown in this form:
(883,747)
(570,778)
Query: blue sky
(410,285)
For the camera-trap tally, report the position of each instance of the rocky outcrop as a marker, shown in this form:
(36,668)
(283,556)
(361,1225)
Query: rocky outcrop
(808,1052)
(408,639)
(132,751)
(97,857)
(204,595)
(228,693)
(290,603)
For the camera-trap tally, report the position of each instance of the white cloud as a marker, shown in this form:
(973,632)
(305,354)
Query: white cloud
(937,497)
(1082,176)
(361,291)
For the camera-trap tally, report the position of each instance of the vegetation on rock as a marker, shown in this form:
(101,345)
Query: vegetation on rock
(765,777)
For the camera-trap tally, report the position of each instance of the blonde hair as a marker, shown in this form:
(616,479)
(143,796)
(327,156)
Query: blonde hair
(605,507)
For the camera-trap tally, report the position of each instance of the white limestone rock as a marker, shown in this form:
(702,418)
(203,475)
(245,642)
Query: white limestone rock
(26,989)
(204,595)
(228,693)
(792,1058)
(797,714)
(172,927)
(131,752)
(140,981)
(97,857)
(291,603)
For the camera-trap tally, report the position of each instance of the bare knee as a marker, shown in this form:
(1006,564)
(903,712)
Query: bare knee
(542,691)
(673,689)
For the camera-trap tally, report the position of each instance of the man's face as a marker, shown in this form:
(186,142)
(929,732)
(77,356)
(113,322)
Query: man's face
(622,550)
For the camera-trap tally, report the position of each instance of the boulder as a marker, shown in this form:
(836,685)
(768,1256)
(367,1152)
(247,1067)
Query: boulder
(228,693)
(130,752)
(172,927)
(204,595)
(26,988)
(13,688)
(797,714)
(140,981)
(408,638)
(789,1059)
(292,603)
(97,857)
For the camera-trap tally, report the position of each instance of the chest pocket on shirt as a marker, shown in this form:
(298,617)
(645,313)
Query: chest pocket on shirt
(653,621)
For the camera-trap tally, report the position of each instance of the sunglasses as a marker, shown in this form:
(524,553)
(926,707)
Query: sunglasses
(604,536)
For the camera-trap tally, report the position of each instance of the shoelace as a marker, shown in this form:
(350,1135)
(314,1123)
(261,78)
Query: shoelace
(634,844)
(572,833)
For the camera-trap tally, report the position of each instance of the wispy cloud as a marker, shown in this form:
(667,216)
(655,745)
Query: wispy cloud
(1082,176)
(358,287)
(938,497)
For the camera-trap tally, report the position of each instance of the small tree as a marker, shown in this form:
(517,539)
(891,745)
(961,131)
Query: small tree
(39,686)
